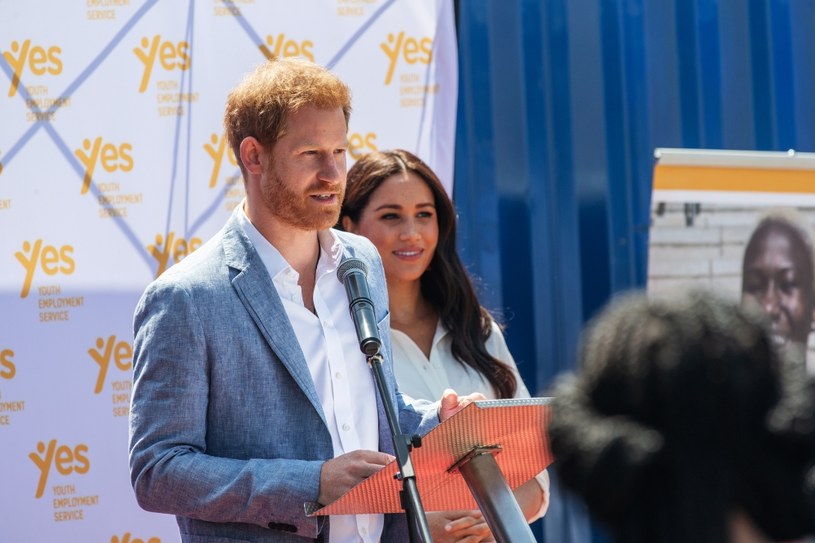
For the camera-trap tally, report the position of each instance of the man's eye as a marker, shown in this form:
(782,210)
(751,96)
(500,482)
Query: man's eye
(788,286)
(753,286)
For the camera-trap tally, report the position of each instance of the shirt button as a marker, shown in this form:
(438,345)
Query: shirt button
(363,530)
(338,375)
(346,426)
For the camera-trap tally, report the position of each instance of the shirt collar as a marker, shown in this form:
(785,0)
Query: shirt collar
(330,249)
(440,334)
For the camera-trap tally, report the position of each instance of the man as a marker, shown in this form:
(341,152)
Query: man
(777,274)
(251,397)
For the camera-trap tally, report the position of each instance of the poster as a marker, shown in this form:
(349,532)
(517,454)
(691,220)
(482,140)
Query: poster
(114,166)
(739,223)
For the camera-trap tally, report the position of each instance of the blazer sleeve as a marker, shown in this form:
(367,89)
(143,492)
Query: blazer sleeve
(171,470)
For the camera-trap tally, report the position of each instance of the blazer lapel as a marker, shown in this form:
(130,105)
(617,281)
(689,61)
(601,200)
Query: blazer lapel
(255,289)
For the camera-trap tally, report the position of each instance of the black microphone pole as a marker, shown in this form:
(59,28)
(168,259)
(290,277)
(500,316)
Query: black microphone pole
(351,273)
(411,502)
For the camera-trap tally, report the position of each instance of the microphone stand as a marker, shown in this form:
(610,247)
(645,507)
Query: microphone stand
(411,502)
(351,273)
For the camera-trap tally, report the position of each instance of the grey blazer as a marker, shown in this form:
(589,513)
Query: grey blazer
(226,429)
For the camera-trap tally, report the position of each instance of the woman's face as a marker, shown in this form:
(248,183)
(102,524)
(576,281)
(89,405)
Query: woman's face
(400,219)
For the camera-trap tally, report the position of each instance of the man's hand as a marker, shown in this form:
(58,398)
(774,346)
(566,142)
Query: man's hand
(343,472)
(452,403)
(459,527)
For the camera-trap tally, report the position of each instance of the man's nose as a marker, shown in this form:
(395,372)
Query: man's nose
(770,299)
(330,170)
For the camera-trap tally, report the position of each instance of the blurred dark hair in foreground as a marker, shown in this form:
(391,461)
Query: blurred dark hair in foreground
(684,424)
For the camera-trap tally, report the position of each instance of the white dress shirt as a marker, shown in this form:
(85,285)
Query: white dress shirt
(421,377)
(426,378)
(338,368)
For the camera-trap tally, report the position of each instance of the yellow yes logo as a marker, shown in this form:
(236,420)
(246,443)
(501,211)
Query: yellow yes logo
(126,539)
(50,259)
(110,156)
(38,59)
(216,150)
(120,352)
(170,55)
(7,368)
(360,144)
(411,49)
(282,47)
(65,459)
(177,247)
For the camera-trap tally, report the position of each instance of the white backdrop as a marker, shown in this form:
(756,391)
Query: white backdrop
(113,166)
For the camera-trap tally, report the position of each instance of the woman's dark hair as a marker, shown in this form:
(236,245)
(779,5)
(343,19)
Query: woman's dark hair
(683,413)
(446,284)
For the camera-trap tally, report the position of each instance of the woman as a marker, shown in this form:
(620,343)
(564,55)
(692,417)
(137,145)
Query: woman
(685,424)
(441,336)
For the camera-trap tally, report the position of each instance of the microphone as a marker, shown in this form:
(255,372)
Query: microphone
(352,273)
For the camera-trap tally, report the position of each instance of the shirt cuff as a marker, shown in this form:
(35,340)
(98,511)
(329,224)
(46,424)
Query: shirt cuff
(543,482)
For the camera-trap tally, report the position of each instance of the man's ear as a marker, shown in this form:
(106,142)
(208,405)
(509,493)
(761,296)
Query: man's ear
(349,226)
(251,151)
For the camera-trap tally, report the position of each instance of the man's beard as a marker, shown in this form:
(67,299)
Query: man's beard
(297,209)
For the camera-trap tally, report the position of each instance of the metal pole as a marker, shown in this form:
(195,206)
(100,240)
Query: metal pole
(495,498)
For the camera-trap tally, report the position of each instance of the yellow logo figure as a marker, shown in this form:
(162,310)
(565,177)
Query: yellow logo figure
(50,259)
(7,368)
(216,150)
(111,157)
(282,47)
(360,144)
(63,458)
(120,352)
(170,55)
(38,59)
(178,248)
(411,49)
(126,539)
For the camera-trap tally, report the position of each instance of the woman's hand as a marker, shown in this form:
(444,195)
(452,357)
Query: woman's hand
(451,403)
(459,527)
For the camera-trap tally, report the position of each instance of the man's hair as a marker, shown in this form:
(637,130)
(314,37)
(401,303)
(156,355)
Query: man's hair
(682,414)
(262,102)
(791,220)
(445,284)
